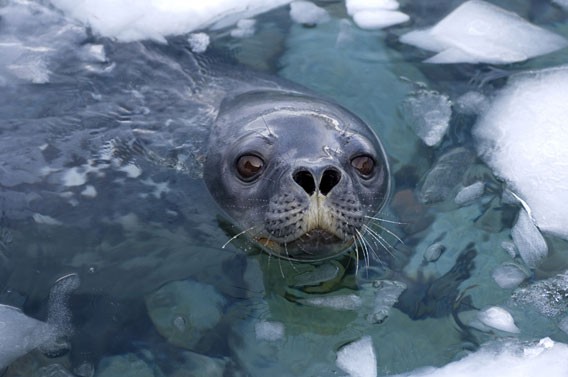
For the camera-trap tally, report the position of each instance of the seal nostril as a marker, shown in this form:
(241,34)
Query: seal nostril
(306,180)
(329,180)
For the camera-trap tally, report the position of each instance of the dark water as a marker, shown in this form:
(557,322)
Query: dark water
(159,294)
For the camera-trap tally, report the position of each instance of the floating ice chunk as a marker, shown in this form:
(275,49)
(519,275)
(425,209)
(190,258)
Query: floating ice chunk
(305,12)
(386,295)
(379,19)
(528,240)
(75,177)
(45,219)
(481,32)
(434,251)
(89,191)
(375,14)
(94,52)
(354,6)
(469,193)
(563,324)
(129,20)
(446,174)
(198,42)
(267,330)
(510,248)
(343,302)
(498,318)
(511,359)
(428,113)
(509,275)
(523,137)
(562,3)
(472,103)
(358,358)
(549,296)
(33,70)
(21,334)
(245,28)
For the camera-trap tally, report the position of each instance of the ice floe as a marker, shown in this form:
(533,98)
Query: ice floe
(479,32)
(512,359)
(128,20)
(369,14)
(523,137)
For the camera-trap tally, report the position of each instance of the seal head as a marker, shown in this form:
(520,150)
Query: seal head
(300,175)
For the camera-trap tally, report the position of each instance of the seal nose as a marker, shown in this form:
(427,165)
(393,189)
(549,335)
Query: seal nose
(329,179)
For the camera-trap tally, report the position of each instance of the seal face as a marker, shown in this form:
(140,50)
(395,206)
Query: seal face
(299,175)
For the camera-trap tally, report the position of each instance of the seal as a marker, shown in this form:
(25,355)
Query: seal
(301,176)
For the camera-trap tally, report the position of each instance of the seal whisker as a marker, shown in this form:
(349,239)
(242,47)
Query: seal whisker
(385,220)
(388,231)
(382,242)
(356,254)
(364,245)
(289,258)
(237,236)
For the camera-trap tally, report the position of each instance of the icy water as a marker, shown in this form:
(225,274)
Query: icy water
(115,261)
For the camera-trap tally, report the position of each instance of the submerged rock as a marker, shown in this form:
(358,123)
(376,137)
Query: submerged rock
(183,311)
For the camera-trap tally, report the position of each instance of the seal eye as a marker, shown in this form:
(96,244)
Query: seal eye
(364,165)
(249,166)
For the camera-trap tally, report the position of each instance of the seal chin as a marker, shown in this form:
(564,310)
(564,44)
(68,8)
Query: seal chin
(313,246)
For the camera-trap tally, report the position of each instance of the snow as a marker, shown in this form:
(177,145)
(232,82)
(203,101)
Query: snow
(513,359)
(479,32)
(129,20)
(523,137)
(378,14)
(305,12)
(358,358)
(498,318)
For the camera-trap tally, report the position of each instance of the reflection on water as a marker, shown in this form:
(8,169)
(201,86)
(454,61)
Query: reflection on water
(160,295)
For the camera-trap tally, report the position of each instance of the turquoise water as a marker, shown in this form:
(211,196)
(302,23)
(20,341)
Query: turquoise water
(160,295)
